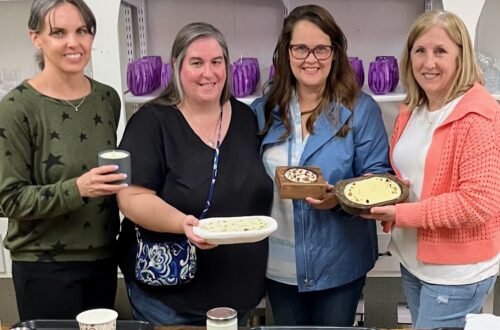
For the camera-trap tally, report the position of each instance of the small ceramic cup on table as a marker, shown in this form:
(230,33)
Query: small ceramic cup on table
(117,157)
(97,319)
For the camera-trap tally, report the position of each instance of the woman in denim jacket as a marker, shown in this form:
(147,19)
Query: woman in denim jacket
(315,115)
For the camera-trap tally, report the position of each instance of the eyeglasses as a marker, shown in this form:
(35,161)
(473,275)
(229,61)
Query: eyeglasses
(320,52)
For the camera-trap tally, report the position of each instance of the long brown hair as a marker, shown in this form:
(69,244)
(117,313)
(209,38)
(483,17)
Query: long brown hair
(341,86)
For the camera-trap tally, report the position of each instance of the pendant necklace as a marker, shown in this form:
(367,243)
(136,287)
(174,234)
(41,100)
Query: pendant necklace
(430,122)
(210,142)
(76,106)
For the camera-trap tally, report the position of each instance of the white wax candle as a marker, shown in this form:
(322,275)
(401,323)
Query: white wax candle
(114,154)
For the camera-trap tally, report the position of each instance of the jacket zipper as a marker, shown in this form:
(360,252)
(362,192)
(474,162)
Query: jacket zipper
(306,280)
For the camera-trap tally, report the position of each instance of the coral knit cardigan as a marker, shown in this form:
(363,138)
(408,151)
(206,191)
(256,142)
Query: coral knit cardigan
(458,215)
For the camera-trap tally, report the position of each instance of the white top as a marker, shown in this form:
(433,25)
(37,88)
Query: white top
(409,157)
(281,265)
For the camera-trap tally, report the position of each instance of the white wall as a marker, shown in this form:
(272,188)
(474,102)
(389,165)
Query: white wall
(488,29)
(16,51)
(16,56)
(4,254)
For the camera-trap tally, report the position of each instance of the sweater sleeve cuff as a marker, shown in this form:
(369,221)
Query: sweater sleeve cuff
(409,215)
(72,197)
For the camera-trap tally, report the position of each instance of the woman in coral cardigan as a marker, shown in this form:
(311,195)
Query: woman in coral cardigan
(446,144)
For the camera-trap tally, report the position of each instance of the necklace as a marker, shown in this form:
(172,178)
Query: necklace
(76,106)
(430,122)
(200,131)
(211,142)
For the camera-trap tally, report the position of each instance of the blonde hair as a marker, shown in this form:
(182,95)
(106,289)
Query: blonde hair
(468,71)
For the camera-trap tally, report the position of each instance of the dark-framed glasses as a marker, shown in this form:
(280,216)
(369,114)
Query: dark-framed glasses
(320,52)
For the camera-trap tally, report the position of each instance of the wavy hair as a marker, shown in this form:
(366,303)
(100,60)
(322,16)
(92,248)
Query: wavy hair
(341,86)
(468,71)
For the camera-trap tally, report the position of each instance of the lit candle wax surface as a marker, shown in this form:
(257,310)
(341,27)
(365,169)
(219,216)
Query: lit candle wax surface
(114,154)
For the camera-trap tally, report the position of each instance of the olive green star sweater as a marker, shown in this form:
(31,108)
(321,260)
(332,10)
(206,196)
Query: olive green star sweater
(45,144)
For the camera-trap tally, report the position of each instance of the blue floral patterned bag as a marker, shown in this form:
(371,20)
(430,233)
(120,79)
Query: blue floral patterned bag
(165,263)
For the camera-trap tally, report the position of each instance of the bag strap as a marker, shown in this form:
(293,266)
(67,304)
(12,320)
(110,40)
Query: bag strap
(213,180)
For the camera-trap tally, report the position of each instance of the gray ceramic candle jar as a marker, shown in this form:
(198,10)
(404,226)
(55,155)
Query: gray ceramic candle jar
(117,157)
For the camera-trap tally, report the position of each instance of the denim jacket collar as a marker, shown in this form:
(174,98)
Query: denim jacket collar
(324,129)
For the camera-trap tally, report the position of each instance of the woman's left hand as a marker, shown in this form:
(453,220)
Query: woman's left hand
(188,224)
(328,202)
(385,214)
(381,213)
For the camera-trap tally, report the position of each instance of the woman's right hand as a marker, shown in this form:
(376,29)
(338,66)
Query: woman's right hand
(188,224)
(98,181)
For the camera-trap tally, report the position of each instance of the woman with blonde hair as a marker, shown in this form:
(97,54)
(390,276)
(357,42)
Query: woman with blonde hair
(445,143)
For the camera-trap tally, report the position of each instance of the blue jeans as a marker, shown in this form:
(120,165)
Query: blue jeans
(331,307)
(146,307)
(434,306)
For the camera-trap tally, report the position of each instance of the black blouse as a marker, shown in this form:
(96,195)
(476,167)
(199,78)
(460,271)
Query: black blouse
(169,158)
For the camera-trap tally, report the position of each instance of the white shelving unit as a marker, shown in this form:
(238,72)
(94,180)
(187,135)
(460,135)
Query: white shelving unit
(251,29)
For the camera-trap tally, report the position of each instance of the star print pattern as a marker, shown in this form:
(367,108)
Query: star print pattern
(52,160)
(54,135)
(60,144)
(21,88)
(47,194)
(65,116)
(45,256)
(97,120)
(58,247)
(104,205)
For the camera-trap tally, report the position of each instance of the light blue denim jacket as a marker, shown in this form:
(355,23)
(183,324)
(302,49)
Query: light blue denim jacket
(333,248)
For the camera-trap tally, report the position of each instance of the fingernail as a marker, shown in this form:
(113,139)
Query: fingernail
(125,175)
(125,185)
(116,167)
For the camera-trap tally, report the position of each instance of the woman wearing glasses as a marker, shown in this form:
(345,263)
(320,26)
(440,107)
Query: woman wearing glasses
(314,114)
